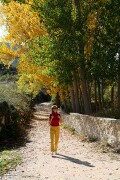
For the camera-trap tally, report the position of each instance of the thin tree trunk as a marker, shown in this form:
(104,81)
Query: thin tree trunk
(81,102)
(57,100)
(112,97)
(86,98)
(64,102)
(102,93)
(65,105)
(72,98)
(119,83)
(69,100)
(89,91)
(99,95)
(80,95)
(76,95)
(80,44)
(96,103)
(119,93)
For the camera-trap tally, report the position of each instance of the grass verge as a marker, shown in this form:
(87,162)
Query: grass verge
(73,131)
(9,159)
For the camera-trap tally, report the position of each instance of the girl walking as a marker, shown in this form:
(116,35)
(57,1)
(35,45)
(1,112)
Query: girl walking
(54,121)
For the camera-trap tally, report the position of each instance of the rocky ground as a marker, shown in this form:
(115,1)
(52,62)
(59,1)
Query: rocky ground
(76,160)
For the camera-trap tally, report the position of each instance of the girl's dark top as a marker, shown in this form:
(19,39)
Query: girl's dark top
(56,119)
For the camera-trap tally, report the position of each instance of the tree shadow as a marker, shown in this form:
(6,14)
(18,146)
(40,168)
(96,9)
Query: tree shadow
(74,160)
(15,143)
(10,144)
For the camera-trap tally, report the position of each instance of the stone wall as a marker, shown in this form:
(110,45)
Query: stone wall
(103,129)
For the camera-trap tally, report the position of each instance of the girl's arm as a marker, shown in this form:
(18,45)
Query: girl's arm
(50,119)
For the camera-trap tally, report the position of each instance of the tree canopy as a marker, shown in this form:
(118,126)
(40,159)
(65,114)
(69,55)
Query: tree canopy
(65,45)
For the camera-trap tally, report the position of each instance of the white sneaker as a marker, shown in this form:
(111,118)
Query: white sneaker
(52,153)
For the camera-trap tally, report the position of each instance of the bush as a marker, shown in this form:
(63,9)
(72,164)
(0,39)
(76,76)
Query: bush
(7,77)
(15,108)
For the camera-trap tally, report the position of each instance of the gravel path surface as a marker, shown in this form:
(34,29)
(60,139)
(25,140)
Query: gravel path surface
(76,160)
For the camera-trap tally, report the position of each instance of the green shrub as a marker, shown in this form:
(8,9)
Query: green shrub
(7,77)
(17,110)
(10,94)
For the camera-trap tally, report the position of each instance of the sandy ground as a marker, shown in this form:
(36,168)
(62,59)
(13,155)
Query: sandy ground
(76,160)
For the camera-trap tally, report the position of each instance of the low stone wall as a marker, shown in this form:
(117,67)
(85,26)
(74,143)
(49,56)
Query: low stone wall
(103,129)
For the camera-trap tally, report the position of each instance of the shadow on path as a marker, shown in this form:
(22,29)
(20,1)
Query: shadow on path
(74,160)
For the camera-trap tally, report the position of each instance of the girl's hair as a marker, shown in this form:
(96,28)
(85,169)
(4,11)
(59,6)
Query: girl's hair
(54,107)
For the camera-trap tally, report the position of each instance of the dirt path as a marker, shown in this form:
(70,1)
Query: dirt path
(76,160)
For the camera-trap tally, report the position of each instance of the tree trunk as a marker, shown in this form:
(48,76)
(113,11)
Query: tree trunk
(119,83)
(80,44)
(112,97)
(119,93)
(81,102)
(96,103)
(64,102)
(65,105)
(57,100)
(72,98)
(99,95)
(89,91)
(102,93)
(76,95)
(69,104)
(87,107)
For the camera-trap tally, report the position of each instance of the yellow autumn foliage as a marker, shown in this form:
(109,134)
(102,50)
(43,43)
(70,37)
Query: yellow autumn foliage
(7,55)
(23,24)
(32,77)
